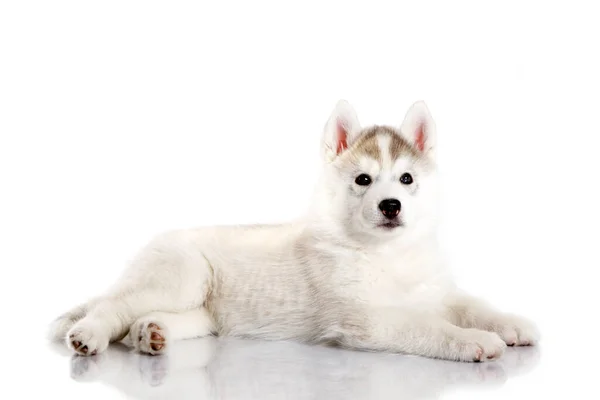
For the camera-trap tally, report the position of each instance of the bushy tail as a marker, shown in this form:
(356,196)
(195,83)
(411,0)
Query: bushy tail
(61,325)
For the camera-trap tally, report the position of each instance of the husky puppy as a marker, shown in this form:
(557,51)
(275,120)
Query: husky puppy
(361,269)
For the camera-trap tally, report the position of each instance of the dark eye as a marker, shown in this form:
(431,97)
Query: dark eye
(363,180)
(406,178)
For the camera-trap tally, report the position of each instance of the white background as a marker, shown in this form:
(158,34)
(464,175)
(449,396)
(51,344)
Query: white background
(121,119)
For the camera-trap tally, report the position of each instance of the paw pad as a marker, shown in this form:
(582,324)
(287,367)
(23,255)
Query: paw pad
(156,346)
(156,336)
(152,338)
(77,345)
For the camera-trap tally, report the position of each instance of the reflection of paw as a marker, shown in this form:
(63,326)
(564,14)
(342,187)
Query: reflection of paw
(520,360)
(450,373)
(87,339)
(516,330)
(86,369)
(477,346)
(149,336)
(153,370)
(491,373)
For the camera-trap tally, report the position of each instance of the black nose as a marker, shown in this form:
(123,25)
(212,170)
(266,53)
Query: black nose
(390,208)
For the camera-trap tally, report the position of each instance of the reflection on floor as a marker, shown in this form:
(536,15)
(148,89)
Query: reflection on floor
(211,368)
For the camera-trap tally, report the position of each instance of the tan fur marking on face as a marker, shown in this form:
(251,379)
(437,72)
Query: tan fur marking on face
(399,147)
(367,145)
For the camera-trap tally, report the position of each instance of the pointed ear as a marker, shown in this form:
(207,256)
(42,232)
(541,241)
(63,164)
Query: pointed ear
(418,128)
(341,130)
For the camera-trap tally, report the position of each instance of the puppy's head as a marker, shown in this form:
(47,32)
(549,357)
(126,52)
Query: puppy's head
(380,181)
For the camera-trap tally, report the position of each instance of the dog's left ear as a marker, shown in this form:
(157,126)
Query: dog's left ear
(341,130)
(418,128)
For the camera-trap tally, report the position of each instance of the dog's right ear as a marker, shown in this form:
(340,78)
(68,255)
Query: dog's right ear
(341,130)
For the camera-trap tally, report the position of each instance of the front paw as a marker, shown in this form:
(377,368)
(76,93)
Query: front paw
(475,345)
(516,330)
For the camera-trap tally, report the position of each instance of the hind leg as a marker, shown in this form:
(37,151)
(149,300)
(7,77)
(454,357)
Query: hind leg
(153,332)
(170,274)
(108,321)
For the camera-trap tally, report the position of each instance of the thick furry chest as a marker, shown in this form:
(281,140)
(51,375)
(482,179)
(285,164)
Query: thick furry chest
(413,280)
